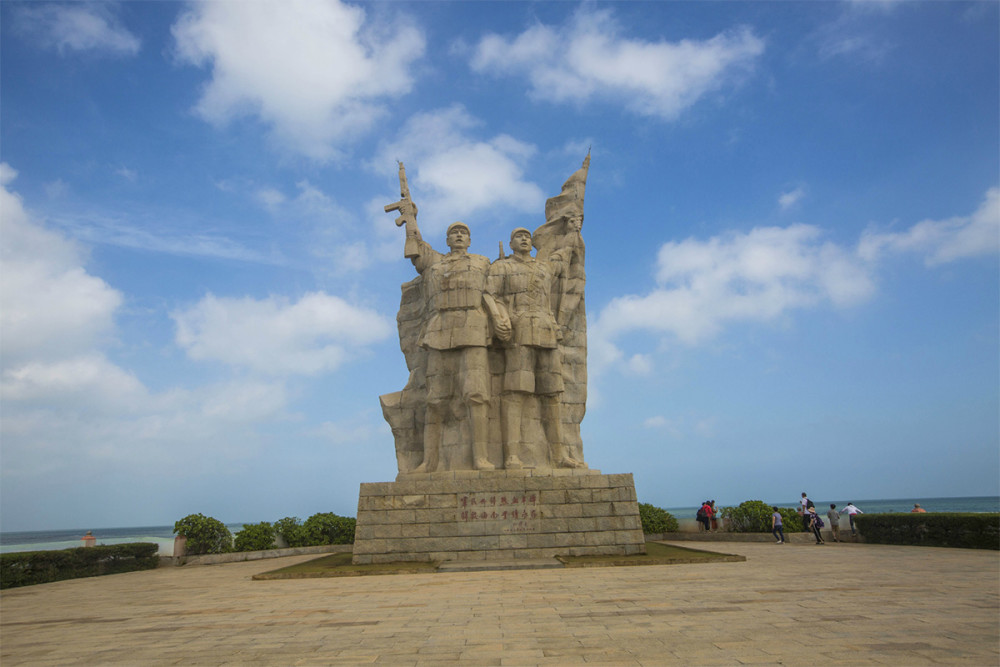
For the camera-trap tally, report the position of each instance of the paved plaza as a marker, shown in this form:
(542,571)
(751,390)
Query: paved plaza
(839,604)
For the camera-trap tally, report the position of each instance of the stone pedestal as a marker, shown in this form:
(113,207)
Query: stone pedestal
(497,515)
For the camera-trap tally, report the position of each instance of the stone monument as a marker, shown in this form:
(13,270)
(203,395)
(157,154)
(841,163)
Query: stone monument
(487,428)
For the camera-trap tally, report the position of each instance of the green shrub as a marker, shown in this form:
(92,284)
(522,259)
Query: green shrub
(329,528)
(656,520)
(204,534)
(254,537)
(754,516)
(38,567)
(290,529)
(934,529)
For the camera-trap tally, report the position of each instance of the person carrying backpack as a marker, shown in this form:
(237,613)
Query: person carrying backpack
(704,516)
(815,523)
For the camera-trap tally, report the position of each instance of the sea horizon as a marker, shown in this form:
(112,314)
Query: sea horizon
(163,535)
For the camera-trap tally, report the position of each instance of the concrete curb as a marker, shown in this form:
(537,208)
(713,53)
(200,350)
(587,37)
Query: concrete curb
(236,557)
(721,536)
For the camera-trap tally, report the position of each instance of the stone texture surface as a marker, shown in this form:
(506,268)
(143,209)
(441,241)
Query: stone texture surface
(847,604)
(458,440)
(503,514)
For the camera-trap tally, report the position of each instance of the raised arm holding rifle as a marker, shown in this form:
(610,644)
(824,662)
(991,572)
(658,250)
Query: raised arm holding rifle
(407,216)
(455,334)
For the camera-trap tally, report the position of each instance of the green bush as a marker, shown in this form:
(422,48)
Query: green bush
(754,516)
(934,529)
(656,520)
(290,529)
(204,534)
(39,567)
(329,528)
(255,537)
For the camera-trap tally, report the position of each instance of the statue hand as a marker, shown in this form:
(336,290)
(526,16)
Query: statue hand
(503,329)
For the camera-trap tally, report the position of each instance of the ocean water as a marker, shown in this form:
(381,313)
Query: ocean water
(47,540)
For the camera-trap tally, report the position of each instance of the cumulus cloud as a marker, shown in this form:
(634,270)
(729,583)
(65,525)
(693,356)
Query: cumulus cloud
(701,286)
(589,58)
(51,306)
(78,26)
(452,174)
(316,71)
(318,333)
(941,241)
(65,406)
(761,275)
(68,411)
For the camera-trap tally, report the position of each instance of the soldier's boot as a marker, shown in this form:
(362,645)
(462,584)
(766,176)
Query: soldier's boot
(432,441)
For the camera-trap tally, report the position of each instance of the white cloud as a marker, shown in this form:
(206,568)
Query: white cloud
(453,175)
(77,26)
(655,422)
(789,199)
(51,306)
(756,276)
(316,334)
(760,276)
(88,378)
(588,58)
(66,410)
(313,70)
(941,241)
(271,198)
(146,231)
(639,364)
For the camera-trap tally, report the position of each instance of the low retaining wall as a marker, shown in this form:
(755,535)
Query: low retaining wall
(238,556)
(723,536)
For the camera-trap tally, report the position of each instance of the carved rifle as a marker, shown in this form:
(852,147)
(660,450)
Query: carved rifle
(407,215)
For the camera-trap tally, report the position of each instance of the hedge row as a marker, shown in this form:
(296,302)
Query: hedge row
(206,535)
(25,568)
(932,529)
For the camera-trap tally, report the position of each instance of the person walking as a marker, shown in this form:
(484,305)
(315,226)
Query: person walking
(715,515)
(776,528)
(815,523)
(834,516)
(851,511)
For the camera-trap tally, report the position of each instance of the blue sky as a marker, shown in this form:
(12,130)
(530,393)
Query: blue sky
(792,228)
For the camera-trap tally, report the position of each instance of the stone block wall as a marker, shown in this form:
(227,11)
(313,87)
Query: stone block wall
(501,514)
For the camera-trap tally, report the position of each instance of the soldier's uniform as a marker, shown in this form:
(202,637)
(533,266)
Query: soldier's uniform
(457,332)
(532,361)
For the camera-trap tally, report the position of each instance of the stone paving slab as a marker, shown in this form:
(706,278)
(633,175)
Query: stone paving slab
(848,604)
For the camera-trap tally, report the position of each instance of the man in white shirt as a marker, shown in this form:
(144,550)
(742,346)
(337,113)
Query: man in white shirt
(851,511)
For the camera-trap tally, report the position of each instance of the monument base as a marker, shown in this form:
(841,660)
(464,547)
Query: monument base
(497,515)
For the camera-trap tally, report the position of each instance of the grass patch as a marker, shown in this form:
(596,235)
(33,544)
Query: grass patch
(656,554)
(339,564)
